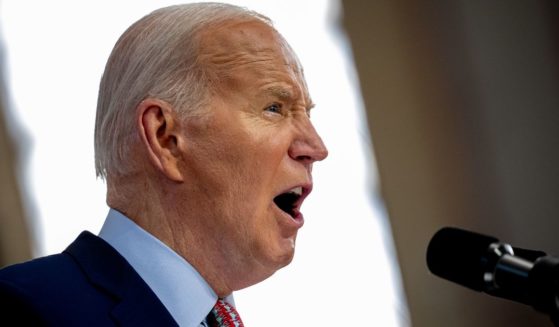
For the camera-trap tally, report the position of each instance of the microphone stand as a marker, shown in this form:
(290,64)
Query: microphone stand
(534,275)
(544,283)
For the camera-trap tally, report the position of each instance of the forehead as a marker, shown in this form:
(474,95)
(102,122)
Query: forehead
(242,50)
(242,39)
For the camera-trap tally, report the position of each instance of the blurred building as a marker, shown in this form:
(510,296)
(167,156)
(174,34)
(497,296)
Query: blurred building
(463,106)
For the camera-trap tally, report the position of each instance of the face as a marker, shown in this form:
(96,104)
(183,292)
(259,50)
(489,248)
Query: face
(248,160)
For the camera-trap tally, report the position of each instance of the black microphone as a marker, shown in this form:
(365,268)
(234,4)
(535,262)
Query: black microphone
(485,264)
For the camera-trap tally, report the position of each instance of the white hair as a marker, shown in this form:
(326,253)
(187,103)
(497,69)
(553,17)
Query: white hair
(155,57)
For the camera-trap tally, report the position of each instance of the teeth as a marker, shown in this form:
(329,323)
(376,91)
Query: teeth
(297,190)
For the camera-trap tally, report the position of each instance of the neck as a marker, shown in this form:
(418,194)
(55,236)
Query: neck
(159,213)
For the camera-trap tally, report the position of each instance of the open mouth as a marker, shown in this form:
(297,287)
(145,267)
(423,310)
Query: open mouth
(290,201)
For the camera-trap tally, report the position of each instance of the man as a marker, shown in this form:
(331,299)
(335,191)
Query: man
(204,139)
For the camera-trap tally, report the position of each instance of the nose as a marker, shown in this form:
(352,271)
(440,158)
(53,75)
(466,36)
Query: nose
(307,146)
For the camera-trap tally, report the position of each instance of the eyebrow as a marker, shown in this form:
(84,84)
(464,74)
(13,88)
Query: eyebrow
(285,94)
(279,92)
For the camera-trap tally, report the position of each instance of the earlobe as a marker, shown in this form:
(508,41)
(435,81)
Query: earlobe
(158,128)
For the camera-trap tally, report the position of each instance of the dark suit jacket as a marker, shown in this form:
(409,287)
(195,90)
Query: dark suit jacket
(89,284)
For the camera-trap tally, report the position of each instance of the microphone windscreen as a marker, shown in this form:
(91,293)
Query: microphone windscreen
(459,256)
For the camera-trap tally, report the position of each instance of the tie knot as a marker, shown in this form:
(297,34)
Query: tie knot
(224,315)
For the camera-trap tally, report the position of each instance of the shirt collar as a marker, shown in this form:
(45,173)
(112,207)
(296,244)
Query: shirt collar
(181,289)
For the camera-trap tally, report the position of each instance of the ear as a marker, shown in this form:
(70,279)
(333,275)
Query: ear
(158,127)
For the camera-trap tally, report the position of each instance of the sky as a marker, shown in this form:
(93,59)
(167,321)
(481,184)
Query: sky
(344,263)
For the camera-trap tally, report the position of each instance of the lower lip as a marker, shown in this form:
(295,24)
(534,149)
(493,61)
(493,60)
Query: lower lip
(296,221)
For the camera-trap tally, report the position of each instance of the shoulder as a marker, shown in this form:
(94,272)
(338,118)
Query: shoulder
(50,272)
(40,274)
(28,288)
(89,284)
(52,287)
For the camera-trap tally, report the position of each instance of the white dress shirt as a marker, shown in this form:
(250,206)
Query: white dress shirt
(181,289)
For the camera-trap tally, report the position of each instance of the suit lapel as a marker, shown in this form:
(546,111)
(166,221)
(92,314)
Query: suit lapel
(135,302)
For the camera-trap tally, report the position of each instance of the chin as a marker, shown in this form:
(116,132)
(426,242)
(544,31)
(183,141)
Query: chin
(285,254)
(279,258)
(266,268)
(261,272)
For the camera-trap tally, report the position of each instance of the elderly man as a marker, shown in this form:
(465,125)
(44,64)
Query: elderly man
(204,139)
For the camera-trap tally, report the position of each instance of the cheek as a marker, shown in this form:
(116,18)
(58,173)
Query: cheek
(271,150)
(256,162)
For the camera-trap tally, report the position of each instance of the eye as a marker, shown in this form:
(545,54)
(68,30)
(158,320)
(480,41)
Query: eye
(274,108)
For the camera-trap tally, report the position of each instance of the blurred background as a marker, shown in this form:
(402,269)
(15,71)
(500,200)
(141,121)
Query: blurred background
(436,113)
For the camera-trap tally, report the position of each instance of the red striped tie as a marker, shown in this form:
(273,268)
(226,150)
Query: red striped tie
(224,315)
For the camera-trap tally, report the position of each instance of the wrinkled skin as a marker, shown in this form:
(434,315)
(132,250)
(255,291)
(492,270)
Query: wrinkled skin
(253,142)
